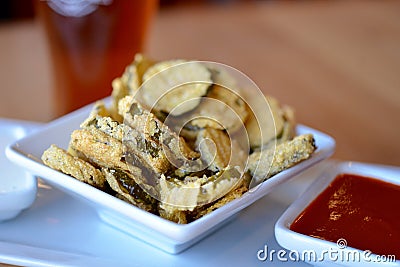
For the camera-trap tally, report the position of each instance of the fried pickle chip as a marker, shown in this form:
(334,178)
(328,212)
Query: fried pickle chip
(98,148)
(120,90)
(150,153)
(221,109)
(59,159)
(194,197)
(129,82)
(268,162)
(161,136)
(147,156)
(168,85)
(105,124)
(235,193)
(260,135)
(218,150)
(133,75)
(100,109)
(173,215)
(105,151)
(192,191)
(221,77)
(289,129)
(124,184)
(215,148)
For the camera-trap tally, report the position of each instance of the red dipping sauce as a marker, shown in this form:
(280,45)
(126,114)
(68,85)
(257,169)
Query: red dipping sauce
(362,210)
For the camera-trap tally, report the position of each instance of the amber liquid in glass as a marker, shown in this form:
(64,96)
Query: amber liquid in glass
(88,52)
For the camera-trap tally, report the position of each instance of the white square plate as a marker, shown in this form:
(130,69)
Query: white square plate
(168,236)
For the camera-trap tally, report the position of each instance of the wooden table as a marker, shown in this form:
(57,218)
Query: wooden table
(337,63)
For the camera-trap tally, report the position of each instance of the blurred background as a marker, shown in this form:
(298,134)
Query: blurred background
(11,10)
(16,9)
(336,62)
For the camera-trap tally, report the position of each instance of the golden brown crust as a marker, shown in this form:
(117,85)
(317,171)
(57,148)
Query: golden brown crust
(129,82)
(232,195)
(221,109)
(100,109)
(150,128)
(124,184)
(120,90)
(266,163)
(106,125)
(276,127)
(99,148)
(215,148)
(177,216)
(61,160)
(175,86)
(149,152)
(191,192)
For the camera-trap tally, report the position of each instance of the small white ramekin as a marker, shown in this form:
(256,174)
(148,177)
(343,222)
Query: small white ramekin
(17,187)
(325,253)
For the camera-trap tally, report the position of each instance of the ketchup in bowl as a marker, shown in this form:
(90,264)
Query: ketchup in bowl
(362,210)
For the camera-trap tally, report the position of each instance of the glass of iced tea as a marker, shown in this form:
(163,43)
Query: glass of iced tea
(91,42)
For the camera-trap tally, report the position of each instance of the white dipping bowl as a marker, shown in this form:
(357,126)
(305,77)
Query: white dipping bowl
(300,245)
(17,187)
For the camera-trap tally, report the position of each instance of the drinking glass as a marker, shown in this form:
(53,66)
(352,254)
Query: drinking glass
(91,42)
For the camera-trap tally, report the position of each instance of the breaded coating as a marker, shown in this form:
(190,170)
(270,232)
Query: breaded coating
(223,77)
(152,129)
(99,148)
(237,192)
(149,152)
(175,86)
(266,163)
(218,150)
(124,184)
(271,125)
(120,90)
(102,150)
(184,201)
(190,135)
(125,105)
(133,75)
(105,124)
(221,109)
(177,216)
(99,118)
(195,191)
(215,148)
(58,159)
(99,109)
(289,129)
(146,151)
(129,82)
